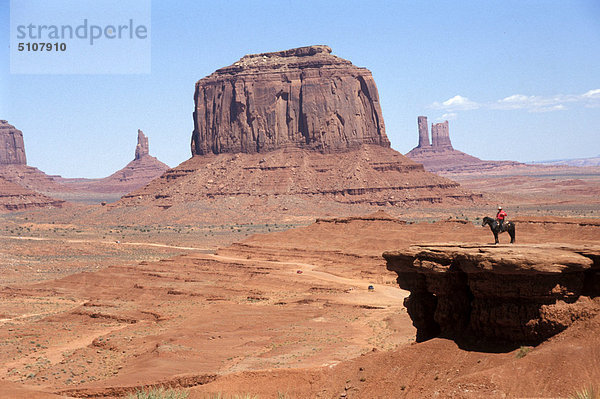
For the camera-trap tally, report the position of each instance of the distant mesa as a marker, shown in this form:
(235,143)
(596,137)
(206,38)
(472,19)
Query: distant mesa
(22,185)
(14,170)
(299,130)
(142,169)
(440,156)
(304,98)
(12,148)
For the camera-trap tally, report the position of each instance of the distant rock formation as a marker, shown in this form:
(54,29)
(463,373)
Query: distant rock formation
(12,147)
(297,131)
(423,132)
(22,185)
(134,175)
(440,136)
(303,97)
(441,157)
(142,148)
(522,294)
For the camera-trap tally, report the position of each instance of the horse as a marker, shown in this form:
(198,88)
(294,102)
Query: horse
(495,227)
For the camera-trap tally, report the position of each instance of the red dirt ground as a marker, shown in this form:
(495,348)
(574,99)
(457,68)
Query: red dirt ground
(245,321)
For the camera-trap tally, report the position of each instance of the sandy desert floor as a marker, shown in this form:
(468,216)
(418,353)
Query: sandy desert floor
(91,312)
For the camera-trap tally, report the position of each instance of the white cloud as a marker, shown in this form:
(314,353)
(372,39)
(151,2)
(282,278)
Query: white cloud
(456,103)
(558,102)
(593,94)
(449,116)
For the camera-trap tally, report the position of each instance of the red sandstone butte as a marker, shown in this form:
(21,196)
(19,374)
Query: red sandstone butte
(303,97)
(12,148)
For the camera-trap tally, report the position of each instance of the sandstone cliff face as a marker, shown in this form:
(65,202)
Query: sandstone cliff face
(518,294)
(303,97)
(12,148)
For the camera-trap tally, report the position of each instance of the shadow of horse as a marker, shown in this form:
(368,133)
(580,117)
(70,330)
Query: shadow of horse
(495,227)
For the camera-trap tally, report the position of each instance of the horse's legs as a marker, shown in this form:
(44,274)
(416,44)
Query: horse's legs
(496,237)
(512,235)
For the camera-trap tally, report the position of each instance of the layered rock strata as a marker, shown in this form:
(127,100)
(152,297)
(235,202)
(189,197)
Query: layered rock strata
(370,175)
(14,197)
(518,294)
(12,147)
(304,97)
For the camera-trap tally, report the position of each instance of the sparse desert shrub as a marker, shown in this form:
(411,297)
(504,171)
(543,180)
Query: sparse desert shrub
(523,351)
(219,395)
(589,392)
(158,393)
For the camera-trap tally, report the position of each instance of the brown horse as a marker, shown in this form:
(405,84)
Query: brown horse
(495,227)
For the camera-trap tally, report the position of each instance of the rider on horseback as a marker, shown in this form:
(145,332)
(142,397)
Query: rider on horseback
(500,217)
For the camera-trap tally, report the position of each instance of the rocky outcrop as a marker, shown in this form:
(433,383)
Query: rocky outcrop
(12,147)
(304,97)
(441,157)
(518,294)
(142,148)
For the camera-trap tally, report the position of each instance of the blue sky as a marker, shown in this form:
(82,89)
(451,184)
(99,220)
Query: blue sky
(517,80)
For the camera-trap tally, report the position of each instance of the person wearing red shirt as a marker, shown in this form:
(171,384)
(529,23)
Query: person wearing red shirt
(500,217)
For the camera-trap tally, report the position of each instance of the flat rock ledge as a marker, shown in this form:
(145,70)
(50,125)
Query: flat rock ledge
(517,294)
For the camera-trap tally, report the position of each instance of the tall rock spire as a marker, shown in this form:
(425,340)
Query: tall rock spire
(440,135)
(423,132)
(141,149)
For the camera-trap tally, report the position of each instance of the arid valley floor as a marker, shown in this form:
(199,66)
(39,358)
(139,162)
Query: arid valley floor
(267,309)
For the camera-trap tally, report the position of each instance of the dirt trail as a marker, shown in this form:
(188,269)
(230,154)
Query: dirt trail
(148,244)
(380,291)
